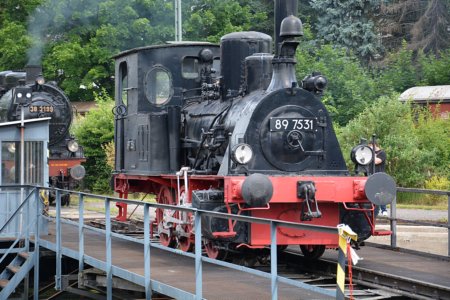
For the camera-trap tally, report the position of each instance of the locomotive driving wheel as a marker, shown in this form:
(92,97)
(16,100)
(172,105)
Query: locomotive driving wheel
(185,238)
(214,251)
(164,216)
(312,251)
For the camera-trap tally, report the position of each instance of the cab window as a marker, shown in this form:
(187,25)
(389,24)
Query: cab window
(158,86)
(123,69)
(190,68)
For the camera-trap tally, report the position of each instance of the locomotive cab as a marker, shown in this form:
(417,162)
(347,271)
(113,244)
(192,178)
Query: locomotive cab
(151,85)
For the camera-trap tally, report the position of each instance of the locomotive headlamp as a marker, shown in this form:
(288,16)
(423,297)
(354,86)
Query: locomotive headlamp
(40,80)
(242,153)
(11,147)
(72,145)
(22,95)
(361,155)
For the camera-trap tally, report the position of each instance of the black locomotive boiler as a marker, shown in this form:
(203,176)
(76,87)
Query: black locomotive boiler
(46,100)
(243,135)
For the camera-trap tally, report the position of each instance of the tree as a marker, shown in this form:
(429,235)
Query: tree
(93,132)
(13,48)
(400,71)
(417,145)
(350,86)
(348,24)
(211,19)
(13,32)
(80,37)
(435,68)
(424,24)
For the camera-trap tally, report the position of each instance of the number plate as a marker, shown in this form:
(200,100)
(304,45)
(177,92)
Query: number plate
(288,124)
(41,108)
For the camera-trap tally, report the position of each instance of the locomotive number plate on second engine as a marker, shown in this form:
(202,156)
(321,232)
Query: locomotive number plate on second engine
(41,109)
(288,124)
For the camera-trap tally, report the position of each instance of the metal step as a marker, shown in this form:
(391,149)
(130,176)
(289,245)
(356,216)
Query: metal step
(15,272)
(3,283)
(13,268)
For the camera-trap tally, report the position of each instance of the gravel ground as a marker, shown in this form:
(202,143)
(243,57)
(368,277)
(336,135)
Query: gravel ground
(427,239)
(422,214)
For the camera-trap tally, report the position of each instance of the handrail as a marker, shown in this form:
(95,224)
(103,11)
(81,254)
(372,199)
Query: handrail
(393,215)
(147,282)
(22,233)
(110,269)
(423,191)
(15,213)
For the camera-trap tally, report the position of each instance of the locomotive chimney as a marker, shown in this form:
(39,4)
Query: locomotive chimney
(32,72)
(283,9)
(287,28)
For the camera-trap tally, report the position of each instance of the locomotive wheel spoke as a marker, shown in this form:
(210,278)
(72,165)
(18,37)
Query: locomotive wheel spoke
(312,251)
(185,244)
(166,238)
(215,252)
(187,240)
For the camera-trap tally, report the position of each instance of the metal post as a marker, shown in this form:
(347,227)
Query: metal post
(448,223)
(178,22)
(58,241)
(27,217)
(108,250)
(22,163)
(28,220)
(198,256)
(80,238)
(273,260)
(36,246)
(147,257)
(394,223)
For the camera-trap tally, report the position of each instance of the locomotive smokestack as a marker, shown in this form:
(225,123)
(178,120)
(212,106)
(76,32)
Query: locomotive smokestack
(283,9)
(286,33)
(32,72)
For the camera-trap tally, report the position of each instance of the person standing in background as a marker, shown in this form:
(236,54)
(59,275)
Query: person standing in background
(380,166)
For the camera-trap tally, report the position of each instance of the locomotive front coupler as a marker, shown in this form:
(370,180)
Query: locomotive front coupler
(307,190)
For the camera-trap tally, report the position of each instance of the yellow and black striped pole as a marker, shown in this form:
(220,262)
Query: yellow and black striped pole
(345,235)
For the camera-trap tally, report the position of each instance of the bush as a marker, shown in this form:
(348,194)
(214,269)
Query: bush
(437,183)
(94,132)
(416,144)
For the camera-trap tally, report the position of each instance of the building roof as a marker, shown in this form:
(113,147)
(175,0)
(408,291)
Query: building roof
(83,107)
(438,93)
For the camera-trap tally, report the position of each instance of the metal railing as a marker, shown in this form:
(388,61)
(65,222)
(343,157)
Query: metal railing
(27,225)
(394,220)
(149,284)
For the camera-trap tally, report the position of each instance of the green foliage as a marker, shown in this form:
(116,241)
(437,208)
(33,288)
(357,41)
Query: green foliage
(412,153)
(14,46)
(400,72)
(350,86)
(435,70)
(85,68)
(433,134)
(348,24)
(437,183)
(16,11)
(211,19)
(94,132)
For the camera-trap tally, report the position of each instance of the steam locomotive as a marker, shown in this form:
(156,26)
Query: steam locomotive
(45,100)
(229,128)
